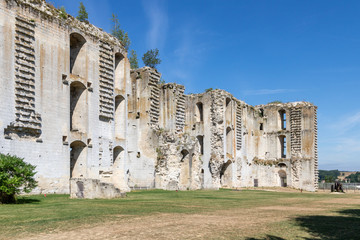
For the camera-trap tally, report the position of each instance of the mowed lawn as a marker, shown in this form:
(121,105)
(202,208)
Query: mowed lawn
(158,214)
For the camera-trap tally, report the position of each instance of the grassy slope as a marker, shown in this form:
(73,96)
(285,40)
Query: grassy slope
(38,214)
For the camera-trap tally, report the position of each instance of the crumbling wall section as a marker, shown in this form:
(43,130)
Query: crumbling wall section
(217,112)
(169,160)
(93,188)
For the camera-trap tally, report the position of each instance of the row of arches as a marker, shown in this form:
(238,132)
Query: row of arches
(199,110)
(78,61)
(79,110)
(78,159)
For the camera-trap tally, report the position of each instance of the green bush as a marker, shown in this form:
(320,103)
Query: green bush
(16,176)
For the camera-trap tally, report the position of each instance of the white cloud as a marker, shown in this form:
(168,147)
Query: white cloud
(346,124)
(267,91)
(158,20)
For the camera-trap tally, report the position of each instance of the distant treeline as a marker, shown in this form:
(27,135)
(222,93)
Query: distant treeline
(328,175)
(332,175)
(354,177)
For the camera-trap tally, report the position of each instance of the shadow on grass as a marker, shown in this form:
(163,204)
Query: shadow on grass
(27,200)
(346,226)
(268,237)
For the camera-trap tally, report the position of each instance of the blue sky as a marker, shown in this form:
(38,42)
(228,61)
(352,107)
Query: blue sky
(260,51)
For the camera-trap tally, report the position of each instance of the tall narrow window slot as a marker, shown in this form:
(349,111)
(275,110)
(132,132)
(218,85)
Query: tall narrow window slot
(199,112)
(283,119)
(283,146)
(77,55)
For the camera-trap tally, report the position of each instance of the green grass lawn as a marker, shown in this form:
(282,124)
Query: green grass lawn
(38,214)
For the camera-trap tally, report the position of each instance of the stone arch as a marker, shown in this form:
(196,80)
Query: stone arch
(78,158)
(118,156)
(282,165)
(226,174)
(199,114)
(77,54)
(283,179)
(120,117)
(118,171)
(229,141)
(119,71)
(78,107)
(185,170)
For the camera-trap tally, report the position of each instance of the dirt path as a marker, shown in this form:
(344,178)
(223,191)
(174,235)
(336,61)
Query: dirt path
(183,226)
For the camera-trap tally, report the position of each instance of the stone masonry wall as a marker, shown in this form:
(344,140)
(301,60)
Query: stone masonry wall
(166,139)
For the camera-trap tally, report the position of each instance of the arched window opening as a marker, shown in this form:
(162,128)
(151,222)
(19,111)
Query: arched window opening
(229,141)
(77,54)
(261,126)
(201,143)
(184,154)
(185,170)
(226,174)
(120,117)
(261,112)
(118,157)
(283,119)
(283,146)
(199,112)
(228,100)
(228,109)
(119,71)
(77,159)
(78,107)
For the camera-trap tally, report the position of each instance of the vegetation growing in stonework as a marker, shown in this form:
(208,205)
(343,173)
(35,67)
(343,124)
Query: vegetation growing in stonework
(119,33)
(276,101)
(134,64)
(259,161)
(151,58)
(63,13)
(16,176)
(82,14)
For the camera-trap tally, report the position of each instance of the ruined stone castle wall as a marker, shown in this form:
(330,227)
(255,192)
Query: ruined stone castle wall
(76,111)
(58,82)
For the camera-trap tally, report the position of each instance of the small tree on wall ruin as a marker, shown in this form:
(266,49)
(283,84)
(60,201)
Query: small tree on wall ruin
(119,33)
(82,14)
(134,64)
(151,58)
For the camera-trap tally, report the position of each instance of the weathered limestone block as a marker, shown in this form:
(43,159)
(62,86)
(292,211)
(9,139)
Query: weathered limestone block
(93,188)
